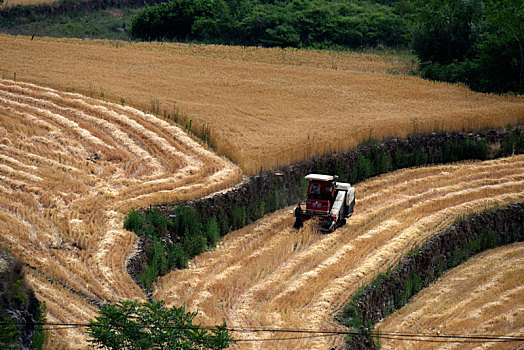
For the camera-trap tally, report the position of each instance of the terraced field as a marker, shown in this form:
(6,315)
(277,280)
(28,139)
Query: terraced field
(265,107)
(70,169)
(269,275)
(483,296)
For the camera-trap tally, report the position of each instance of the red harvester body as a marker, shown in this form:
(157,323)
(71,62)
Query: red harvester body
(327,199)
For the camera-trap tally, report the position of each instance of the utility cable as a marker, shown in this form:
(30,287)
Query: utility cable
(420,337)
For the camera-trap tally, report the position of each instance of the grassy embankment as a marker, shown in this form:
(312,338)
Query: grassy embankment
(470,235)
(190,232)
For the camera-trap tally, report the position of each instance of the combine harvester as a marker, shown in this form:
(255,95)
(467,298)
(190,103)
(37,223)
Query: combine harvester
(328,200)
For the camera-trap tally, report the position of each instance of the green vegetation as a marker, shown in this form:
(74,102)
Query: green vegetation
(79,22)
(392,290)
(176,240)
(512,144)
(298,23)
(9,333)
(377,161)
(185,231)
(476,42)
(150,325)
(40,335)
(16,298)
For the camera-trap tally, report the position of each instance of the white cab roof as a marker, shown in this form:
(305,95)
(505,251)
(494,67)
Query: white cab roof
(320,177)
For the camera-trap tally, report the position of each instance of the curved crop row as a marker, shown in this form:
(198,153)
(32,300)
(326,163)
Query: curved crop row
(492,282)
(70,168)
(269,275)
(392,290)
(265,107)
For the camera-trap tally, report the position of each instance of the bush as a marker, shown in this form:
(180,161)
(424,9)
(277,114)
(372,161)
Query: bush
(476,42)
(150,325)
(512,144)
(134,221)
(176,257)
(212,232)
(9,333)
(239,216)
(365,168)
(39,336)
(170,20)
(305,23)
(185,222)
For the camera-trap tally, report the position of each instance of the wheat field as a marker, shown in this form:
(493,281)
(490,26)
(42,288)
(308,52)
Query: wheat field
(483,296)
(269,275)
(71,168)
(265,107)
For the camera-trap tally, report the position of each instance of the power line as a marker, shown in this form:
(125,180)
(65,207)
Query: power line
(420,337)
(279,339)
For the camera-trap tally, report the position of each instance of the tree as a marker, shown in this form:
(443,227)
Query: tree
(150,325)
(447,30)
(500,54)
(478,42)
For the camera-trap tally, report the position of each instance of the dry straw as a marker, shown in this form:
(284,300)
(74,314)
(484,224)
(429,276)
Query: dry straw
(269,275)
(70,170)
(492,282)
(265,107)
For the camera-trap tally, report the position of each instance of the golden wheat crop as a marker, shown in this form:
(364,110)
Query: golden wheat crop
(265,107)
(484,296)
(270,275)
(70,169)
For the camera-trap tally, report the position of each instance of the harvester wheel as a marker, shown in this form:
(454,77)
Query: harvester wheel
(351,208)
(341,221)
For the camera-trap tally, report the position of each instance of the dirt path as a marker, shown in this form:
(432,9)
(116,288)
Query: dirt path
(483,296)
(71,168)
(269,275)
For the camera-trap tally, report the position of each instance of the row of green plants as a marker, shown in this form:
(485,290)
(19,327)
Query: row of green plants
(393,289)
(378,162)
(183,231)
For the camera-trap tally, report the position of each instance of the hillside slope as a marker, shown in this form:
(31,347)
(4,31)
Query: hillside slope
(71,168)
(483,296)
(265,107)
(270,275)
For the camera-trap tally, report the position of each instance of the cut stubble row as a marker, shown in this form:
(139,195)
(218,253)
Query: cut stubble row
(268,275)
(71,168)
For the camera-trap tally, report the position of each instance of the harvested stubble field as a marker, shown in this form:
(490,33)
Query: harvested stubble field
(265,107)
(71,168)
(483,296)
(269,275)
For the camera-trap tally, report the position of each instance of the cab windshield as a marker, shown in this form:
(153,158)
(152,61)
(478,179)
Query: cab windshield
(320,190)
